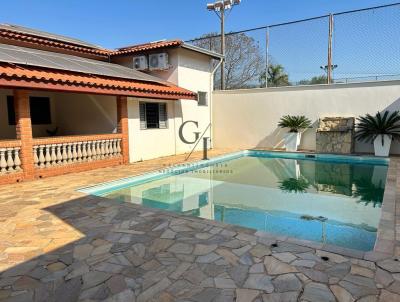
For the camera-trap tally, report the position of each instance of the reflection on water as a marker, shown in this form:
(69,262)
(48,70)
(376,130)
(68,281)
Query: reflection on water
(332,203)
(294,185)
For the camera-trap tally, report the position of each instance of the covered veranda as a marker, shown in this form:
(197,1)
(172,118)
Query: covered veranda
(93,134)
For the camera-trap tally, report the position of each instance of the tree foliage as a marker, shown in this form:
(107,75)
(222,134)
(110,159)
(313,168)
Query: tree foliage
(369,126)
(244,62)
(277,76)
(294,185)
(322,79)
(294,122)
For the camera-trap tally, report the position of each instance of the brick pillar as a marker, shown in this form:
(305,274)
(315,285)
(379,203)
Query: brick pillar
(122,118)
(24,131)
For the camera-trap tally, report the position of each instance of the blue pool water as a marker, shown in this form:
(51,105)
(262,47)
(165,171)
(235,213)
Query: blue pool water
(329,199)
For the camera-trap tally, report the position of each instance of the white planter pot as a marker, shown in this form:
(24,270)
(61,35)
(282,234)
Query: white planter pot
(292,141)
(382,150)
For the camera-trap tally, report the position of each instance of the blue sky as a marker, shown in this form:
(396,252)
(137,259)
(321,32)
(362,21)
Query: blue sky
(123,22)
(364,44)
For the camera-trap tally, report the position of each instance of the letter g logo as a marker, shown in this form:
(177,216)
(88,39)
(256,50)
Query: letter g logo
(196,134)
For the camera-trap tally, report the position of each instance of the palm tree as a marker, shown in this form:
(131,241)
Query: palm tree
(276,76)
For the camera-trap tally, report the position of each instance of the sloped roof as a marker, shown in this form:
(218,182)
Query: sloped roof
(32,68)
(48,59)
(36,37)
(142,48)
(147,46)
(41,38)
(34,77)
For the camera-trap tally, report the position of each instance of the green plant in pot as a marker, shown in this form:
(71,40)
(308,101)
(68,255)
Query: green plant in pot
(295,123)
(380,129)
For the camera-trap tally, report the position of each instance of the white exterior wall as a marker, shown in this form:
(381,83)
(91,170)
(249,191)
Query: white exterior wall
(188,70)
(194,73)
(149,143)
(249,118)
(85,113)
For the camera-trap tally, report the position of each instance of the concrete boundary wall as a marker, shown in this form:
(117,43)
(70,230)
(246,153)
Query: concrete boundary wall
(248,118)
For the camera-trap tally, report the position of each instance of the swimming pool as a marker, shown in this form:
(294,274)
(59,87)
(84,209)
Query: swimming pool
(330,199)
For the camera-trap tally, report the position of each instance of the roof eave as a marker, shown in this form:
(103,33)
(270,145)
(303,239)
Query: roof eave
(13,83)
(204,51)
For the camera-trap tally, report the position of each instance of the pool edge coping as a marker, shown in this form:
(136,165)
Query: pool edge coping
(386,234)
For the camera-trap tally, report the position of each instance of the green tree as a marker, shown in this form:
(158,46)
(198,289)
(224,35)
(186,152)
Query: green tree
(277,76)
(244,61)
(322,79)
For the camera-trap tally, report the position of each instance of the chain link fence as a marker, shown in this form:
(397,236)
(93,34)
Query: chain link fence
(347,47)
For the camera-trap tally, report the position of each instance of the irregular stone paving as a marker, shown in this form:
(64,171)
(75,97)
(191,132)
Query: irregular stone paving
(72,247)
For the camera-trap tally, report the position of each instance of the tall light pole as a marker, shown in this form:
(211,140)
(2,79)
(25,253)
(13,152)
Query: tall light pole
(219,8)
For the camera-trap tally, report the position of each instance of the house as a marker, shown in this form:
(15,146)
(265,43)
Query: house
(67,105)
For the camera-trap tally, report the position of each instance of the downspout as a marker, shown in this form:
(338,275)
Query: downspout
(211,100)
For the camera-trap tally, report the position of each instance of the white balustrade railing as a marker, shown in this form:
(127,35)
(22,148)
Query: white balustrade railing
(50,155)
(10,161)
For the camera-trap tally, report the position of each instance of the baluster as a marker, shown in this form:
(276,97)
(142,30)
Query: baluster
(102,151)
(3,162)
(119,147)
(106,148)
(47,156)
(69,152)
(59,154)
(53,155)
(17,160)
(35,156)
(10,161)
(74,153)
(84,152)
(94,150)
(79,151)
(112,147)
(64,154)
(89,151)
(98,150)
(42,159)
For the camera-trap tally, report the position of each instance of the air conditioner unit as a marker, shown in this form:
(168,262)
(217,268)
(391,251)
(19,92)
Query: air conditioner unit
(158,61)
(140,63)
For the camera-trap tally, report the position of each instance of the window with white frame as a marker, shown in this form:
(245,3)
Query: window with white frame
(153,115)
(202,98)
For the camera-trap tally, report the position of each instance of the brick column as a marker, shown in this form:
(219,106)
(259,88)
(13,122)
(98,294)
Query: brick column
(24,131)
(122,118)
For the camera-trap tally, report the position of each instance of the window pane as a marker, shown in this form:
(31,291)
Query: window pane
(11,110)
(40,110)
(202,98)
(163,115)
(152,115)
(39,107)
(142,113)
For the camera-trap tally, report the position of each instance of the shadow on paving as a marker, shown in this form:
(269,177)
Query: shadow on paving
(120,257)
(94,267)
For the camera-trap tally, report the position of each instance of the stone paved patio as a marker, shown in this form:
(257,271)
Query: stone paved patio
(61,245)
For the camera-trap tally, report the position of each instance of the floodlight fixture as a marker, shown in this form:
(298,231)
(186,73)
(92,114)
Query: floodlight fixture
(219,7)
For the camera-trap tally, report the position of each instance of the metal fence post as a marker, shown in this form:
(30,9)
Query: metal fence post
(329,66)
(266,56)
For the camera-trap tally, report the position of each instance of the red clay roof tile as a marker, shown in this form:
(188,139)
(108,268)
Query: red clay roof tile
(147,46)
(44,41)
(12,75)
